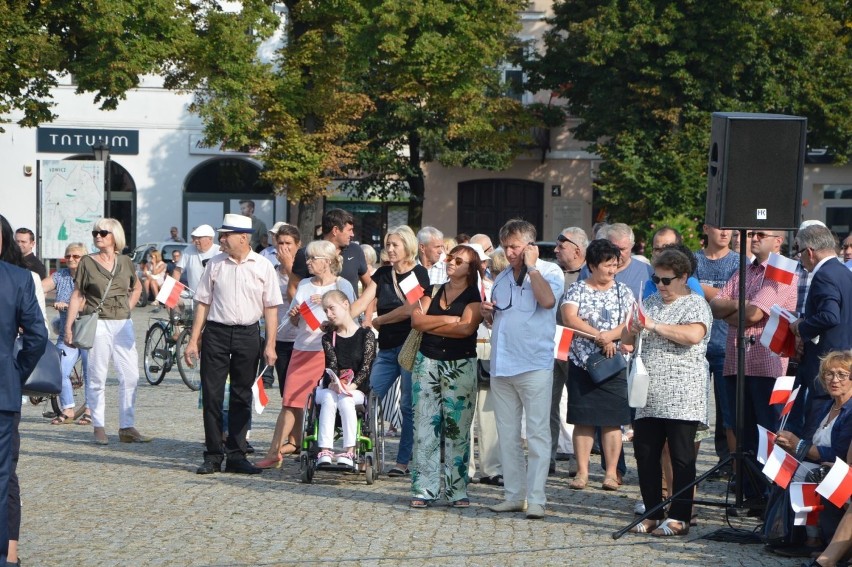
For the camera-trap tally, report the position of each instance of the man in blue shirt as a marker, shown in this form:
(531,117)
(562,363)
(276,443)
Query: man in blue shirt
(631,272)
(523,312)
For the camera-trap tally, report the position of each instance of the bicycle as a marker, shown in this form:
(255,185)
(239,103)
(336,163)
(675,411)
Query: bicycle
(76,384)
(165,342)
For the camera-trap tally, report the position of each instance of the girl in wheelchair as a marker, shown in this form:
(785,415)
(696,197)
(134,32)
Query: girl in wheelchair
(349,353)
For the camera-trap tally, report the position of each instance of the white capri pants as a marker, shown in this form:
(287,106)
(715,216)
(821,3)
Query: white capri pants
(331,403)
(116,341)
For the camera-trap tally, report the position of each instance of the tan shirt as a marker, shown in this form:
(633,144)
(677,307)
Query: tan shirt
(237,293)
(92,278)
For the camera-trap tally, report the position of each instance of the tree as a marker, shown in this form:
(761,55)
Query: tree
(644,76)
(106,45)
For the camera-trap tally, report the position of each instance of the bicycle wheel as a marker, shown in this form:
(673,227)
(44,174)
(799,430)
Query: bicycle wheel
(156,356)
(76,385)
(191,375)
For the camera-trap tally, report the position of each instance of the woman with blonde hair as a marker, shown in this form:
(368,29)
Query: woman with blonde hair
(155,275)
(394,324)
(307,363)
(106,283)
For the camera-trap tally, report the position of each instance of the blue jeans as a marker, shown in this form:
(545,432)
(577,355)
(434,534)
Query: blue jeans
(68,360)
(386,368)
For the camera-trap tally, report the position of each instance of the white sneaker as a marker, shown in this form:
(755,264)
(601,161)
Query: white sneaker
(324,457)
(535,511)
(639,509)
(346,459)
(510,506)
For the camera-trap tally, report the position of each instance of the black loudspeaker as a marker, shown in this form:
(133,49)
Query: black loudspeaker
(754,174)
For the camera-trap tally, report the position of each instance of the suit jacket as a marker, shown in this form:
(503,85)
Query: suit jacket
(18,309)
(828,315)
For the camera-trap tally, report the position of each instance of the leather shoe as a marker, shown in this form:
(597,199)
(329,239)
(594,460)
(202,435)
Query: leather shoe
(535,511)
(209,467)
(241,466)
(510,506)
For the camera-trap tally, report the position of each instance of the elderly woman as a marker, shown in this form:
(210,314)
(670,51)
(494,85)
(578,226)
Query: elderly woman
(106,282)
(62,281)
(307,363)
(444,381)
(675,332)
(394,324)
(597,306)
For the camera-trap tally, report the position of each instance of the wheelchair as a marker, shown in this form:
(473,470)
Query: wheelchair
(369,440)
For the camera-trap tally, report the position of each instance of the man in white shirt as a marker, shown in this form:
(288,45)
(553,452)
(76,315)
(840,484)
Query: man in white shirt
(430,254)
(195,256)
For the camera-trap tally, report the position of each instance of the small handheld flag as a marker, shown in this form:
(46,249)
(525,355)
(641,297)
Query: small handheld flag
(777,335)
(313,319)
(169,294)
(780,467)
(562,342)
(780,269)
(258,393)
(836,487)
(782,390)
(411,288)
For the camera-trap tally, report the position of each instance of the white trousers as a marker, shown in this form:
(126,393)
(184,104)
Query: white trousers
(332,403)
(116,341)
(487,440)
(530,393)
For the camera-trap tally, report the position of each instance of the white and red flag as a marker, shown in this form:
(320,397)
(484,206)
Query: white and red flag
(169,294)
(780,467)
(777,336)
(765,443)
(805,502)
(411,288)
(312,314)
(562,342)
(788,405)
(780,269)
(258,393)
(782,390)
(836,487)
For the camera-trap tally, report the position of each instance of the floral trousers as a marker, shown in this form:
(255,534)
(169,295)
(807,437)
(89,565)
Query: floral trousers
(444,399)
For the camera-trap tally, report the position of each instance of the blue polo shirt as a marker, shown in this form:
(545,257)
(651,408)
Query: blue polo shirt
(522,335)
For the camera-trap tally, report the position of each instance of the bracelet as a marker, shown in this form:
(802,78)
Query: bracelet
(799,446)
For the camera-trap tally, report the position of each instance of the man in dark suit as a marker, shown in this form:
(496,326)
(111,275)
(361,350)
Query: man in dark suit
(18,309)
(826,324)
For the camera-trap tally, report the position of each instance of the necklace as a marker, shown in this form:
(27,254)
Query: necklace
(447,298)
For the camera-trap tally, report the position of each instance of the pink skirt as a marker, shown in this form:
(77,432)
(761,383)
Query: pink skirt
(303,374)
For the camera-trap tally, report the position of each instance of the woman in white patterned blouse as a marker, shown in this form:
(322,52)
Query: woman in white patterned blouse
(675,336)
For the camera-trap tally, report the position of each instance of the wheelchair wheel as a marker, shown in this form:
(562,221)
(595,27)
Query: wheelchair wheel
(306,469)
(368,470)
(156,355)
(377,433)
(191,375)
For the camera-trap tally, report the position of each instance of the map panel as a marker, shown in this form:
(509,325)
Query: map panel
(72,199)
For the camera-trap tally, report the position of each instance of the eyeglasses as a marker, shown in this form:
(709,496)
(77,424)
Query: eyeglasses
(760,235)
(561,238)
(665,281)
(72,256)
(840,376)
(101,233)
(456,259)
(312,258)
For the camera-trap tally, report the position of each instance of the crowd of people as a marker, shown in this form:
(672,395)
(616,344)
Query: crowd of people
(483,326)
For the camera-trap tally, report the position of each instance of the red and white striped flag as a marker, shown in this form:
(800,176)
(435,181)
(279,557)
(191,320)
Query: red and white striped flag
(836,487)
(765,443)
(411,288)
(805,503)
(789,404)
(780,467)
(777,336)
(258,393)
(782,390)
(562,342)
(780,269)
(169,294)
(312,314)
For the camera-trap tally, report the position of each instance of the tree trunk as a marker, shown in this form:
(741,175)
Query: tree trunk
(416,183)
(306,219)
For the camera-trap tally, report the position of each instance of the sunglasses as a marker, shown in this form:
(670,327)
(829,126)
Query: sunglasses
(72,256)
(760,235)
(457,259)
(666,281)
(101,233)
(562,239)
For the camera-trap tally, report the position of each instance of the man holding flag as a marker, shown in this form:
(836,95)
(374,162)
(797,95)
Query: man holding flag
(761,365)
(826,324)
(238,287)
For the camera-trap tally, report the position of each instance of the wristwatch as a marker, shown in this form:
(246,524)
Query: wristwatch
(531,269)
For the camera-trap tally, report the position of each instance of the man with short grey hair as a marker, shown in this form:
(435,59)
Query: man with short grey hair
(430,253)
(631,273)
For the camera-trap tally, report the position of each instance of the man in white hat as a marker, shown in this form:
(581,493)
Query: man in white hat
(271,251)
(237,288)
(196,255)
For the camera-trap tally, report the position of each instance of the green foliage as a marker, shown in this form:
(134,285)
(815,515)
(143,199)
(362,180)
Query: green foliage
(644,76)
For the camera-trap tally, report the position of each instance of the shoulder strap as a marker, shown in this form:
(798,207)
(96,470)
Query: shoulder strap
(109,283)
(396,287)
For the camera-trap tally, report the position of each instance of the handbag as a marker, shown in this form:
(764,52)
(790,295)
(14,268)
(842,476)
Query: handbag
(46,377)
(483,373)
(411,346)
(637,379)
(601,368)
(85,327)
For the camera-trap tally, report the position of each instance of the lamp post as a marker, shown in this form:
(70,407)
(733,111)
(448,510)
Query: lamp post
(101,151)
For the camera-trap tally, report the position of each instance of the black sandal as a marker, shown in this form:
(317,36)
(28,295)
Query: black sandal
(295,453)
(396,471)
(496,480)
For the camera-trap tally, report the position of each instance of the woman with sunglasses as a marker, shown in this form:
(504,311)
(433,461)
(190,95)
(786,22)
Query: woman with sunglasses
(444,382)
(307,363)
(675,334)
(394,324)
(62,281)
(106,282)
(597,306)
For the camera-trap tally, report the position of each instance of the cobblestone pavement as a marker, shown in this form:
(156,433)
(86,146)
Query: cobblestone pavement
(143,504)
